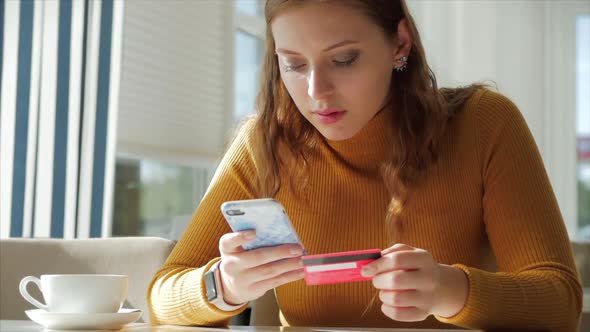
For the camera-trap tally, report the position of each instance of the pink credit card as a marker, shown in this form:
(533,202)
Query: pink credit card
(338,267)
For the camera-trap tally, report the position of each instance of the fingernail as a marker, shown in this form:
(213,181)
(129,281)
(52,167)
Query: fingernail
(367,271)
(296,251)
(250,235)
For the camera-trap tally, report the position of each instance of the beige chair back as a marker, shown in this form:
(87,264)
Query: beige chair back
(137,257)
(582,257)
(265,311)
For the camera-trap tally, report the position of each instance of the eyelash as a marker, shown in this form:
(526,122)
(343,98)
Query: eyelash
(346,63)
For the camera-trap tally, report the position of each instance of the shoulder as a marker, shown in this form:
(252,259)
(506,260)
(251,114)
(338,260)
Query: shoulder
(238,152)
(242,135)
(501,131)
(492,110)
(244,130)
(491,114)
(487,112)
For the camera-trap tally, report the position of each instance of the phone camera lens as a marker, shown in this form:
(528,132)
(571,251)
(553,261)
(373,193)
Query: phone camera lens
(235,212)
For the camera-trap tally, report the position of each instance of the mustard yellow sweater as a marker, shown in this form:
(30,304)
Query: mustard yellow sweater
(486,207)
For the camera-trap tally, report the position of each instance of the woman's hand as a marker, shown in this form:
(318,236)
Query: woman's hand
(247,275)
(412,285)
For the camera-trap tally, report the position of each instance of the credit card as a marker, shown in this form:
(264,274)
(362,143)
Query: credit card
(338,267)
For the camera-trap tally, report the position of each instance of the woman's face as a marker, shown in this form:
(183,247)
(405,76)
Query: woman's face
(336,64)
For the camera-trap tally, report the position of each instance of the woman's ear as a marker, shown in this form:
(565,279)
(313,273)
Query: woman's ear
(403,41)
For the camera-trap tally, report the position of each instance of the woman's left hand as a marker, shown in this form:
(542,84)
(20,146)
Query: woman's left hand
(412,285)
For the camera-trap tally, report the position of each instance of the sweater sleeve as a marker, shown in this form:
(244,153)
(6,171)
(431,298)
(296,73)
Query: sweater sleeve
(536,286)
(177,293)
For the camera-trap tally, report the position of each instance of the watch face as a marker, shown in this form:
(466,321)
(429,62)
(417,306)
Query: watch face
(210,286)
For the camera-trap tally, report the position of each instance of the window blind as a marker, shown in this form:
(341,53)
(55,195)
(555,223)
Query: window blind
(176,78)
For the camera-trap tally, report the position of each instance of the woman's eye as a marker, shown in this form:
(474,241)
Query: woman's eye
(289,68)
(346,61)
(343,61)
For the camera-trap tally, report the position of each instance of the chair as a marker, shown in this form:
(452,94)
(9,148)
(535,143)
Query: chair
(265,311)
(582,257)
(137,257)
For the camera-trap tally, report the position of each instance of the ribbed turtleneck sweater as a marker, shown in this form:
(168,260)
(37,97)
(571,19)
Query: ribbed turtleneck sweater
(486,207)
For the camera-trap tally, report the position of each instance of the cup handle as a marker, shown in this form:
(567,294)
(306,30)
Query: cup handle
(23,291)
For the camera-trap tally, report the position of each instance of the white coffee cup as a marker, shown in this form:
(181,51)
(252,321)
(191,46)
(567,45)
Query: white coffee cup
(78,293)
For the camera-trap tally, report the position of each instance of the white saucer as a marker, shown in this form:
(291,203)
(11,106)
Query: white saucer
(90,321)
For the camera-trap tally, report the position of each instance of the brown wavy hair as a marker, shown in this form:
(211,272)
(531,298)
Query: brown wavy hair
(420,110)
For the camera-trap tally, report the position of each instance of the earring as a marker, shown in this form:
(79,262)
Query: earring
(401,63)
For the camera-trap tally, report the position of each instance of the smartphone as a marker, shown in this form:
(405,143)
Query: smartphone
(267,216)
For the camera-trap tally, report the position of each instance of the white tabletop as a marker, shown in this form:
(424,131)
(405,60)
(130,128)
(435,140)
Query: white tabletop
(29,326)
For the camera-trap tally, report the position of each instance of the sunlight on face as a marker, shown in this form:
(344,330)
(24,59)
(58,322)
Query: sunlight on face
(336,64)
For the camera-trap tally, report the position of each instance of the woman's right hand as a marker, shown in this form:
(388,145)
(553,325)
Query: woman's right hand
(247,275)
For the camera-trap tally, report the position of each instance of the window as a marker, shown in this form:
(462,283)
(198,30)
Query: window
(247,67)
(583,123)
(249,7)
(248,52)
(154,198)
(174,103)
(157,185)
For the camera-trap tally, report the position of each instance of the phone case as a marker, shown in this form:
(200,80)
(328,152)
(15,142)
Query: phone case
(266,216)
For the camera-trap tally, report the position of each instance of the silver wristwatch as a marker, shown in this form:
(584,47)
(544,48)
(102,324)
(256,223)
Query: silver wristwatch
(214,289)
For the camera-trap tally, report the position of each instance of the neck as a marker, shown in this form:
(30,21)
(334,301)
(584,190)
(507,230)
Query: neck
(368,148)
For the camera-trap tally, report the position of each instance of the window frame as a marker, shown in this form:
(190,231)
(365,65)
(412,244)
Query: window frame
(249,24)
(560,106)
(234,20)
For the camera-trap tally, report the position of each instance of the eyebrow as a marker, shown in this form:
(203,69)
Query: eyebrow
(339,44)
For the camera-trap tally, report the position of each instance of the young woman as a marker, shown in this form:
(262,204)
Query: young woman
(355,139)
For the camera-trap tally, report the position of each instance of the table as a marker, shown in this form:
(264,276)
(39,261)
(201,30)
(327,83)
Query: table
(29,326)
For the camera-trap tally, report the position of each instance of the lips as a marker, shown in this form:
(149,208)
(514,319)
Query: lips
(328,111)
(329,116)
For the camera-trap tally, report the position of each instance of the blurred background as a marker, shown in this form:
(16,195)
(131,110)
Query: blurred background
(114,114)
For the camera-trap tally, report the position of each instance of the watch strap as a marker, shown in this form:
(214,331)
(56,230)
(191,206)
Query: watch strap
(217,300)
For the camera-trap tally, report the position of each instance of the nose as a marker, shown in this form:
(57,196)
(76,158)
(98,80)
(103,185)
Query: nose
(319,85)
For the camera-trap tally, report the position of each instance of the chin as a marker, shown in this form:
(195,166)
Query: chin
(333,134)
